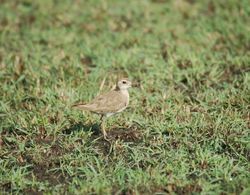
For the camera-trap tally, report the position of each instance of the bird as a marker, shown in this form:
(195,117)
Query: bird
(108,104)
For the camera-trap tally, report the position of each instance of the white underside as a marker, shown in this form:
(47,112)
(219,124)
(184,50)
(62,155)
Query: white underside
(112,113)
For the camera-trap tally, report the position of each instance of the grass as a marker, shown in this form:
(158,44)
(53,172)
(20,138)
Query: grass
(186,130)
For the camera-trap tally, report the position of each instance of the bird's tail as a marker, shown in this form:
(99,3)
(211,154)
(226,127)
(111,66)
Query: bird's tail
(80,106)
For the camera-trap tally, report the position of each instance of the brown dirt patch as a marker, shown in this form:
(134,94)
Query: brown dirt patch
(131,134)
(42,173)
(124,134)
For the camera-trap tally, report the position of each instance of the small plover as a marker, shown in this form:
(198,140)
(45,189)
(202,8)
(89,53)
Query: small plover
(110,103)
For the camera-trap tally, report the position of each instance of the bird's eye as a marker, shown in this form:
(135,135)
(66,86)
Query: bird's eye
(124,82)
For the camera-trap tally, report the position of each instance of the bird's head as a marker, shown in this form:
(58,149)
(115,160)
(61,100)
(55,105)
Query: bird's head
(124,84)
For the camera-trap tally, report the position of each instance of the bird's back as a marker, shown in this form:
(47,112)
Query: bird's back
(111,102)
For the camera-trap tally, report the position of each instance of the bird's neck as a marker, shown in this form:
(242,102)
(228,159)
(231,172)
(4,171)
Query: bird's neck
(123,91)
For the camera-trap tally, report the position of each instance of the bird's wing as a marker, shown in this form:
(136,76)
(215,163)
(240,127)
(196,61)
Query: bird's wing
(112,101)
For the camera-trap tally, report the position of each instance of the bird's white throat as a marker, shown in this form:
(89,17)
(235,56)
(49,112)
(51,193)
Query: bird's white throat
(125,92)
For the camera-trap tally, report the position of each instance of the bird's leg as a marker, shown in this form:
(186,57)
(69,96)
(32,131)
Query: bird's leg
(103,127)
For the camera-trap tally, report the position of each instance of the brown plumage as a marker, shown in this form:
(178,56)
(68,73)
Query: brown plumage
(110,103)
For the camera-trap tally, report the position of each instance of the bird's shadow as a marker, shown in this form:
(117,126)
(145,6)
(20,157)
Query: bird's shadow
(94,128)
(131,134)
(106,146)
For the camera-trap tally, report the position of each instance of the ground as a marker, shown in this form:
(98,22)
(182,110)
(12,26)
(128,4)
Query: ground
(186,130)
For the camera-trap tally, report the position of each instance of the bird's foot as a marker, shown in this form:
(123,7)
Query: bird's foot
(105,136)
(104,133)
